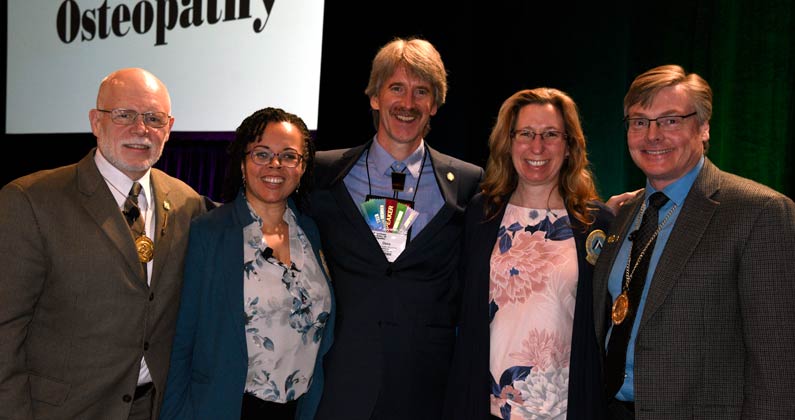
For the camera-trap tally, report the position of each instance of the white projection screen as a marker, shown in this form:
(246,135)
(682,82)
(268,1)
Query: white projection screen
(221,59)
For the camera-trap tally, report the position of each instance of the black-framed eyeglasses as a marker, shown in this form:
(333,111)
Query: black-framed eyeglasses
(665,122)
(128,117)
(288,158)
(549,137)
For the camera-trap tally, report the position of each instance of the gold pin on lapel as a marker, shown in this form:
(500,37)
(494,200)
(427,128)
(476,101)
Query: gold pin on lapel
(166,205)
(612,238)
(450,177)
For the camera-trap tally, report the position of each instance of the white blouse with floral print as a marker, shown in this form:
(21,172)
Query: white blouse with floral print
(286,310)
(531,298)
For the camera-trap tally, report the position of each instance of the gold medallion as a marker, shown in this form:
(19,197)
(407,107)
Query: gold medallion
(620,308)
(145,248)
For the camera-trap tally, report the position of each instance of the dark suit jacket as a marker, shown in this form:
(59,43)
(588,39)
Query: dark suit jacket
(76,314)
(395,321)
(717,336)
(469,388)
(209,362)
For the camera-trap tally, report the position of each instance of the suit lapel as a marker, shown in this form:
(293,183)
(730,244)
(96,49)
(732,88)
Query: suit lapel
(607,258)
(100,204)
(693,219)
(447,179)
(350,209)
(162,207)
(232,257)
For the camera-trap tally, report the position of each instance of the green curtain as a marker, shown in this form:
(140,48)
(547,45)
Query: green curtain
(745,50)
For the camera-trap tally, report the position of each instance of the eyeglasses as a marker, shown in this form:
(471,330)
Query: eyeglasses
(549,137)
(128,117)
(665,122)
(288,158)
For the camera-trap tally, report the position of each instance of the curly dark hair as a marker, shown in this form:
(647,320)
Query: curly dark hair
(249,132)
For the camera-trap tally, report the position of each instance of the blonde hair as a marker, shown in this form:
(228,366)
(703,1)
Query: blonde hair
(420,58)
(575,180)
(646,86)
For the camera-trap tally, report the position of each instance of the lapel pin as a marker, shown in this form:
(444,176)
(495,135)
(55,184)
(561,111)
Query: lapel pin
(166,205)
(612,238)
(450,177)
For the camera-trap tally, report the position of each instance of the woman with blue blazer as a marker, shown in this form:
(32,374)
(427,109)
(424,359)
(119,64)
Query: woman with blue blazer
(256,315)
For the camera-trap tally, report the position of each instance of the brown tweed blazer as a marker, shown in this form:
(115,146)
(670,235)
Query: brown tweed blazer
(717,336)
(76,314)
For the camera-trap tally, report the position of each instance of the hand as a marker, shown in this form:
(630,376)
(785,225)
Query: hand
(616,201)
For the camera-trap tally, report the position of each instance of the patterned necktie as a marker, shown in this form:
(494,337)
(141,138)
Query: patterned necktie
(132,212)
(645,237)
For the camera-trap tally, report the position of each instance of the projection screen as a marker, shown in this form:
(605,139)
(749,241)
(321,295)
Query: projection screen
(221,59)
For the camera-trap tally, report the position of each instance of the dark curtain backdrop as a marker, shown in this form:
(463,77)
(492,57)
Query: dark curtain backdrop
(744,49)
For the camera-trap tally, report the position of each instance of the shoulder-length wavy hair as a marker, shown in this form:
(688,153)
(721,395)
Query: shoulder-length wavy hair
(575,180)
(249,132)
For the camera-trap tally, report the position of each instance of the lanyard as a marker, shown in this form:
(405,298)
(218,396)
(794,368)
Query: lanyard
(370,187)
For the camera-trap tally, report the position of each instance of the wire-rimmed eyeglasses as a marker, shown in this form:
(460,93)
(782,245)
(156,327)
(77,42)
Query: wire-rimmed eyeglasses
(287,158)
(664,122)
(526,135)
(128,117)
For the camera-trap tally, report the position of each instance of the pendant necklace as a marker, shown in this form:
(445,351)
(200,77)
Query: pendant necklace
(621,305)
(143,244)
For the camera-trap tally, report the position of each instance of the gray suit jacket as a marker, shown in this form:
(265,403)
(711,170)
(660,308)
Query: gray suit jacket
(76,314)
(717,336)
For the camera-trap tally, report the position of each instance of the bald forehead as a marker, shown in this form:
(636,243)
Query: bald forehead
(133,83)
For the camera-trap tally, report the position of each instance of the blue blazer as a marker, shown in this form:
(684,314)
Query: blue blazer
(209,359)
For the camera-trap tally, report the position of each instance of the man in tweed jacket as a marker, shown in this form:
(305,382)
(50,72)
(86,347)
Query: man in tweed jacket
(86,317)
(714,335)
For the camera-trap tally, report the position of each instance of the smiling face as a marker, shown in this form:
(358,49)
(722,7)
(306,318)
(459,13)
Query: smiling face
(269,185)
(665,156)
(405,104)
(538,162)
(133,149)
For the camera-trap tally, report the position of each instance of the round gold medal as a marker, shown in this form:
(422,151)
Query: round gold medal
(145,248)
(620,308)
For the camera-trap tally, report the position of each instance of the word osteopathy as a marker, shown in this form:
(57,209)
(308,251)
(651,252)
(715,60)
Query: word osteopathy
(164,15)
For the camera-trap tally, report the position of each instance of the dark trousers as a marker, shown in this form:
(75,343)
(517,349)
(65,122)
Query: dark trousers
(257,409)
(620,410)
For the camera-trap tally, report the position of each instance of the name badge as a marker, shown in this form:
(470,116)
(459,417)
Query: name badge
(390,220)
(392,244)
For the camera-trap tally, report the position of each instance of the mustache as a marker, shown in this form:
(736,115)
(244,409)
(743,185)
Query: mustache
(411,112)
(140,141)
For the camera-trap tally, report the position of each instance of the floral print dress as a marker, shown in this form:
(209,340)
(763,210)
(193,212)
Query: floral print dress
(531,303)
(286,310)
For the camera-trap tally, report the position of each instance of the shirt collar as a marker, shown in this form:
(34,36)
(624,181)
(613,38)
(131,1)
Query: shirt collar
(677,191)
(382,161)
(117,179)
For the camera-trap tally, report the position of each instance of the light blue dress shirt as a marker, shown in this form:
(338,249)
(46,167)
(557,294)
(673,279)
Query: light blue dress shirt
(676,192)
(428,198)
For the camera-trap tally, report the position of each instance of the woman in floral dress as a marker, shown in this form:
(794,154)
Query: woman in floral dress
(526,347)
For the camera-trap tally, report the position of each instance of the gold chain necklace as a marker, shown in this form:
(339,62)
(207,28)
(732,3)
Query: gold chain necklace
(621,305)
